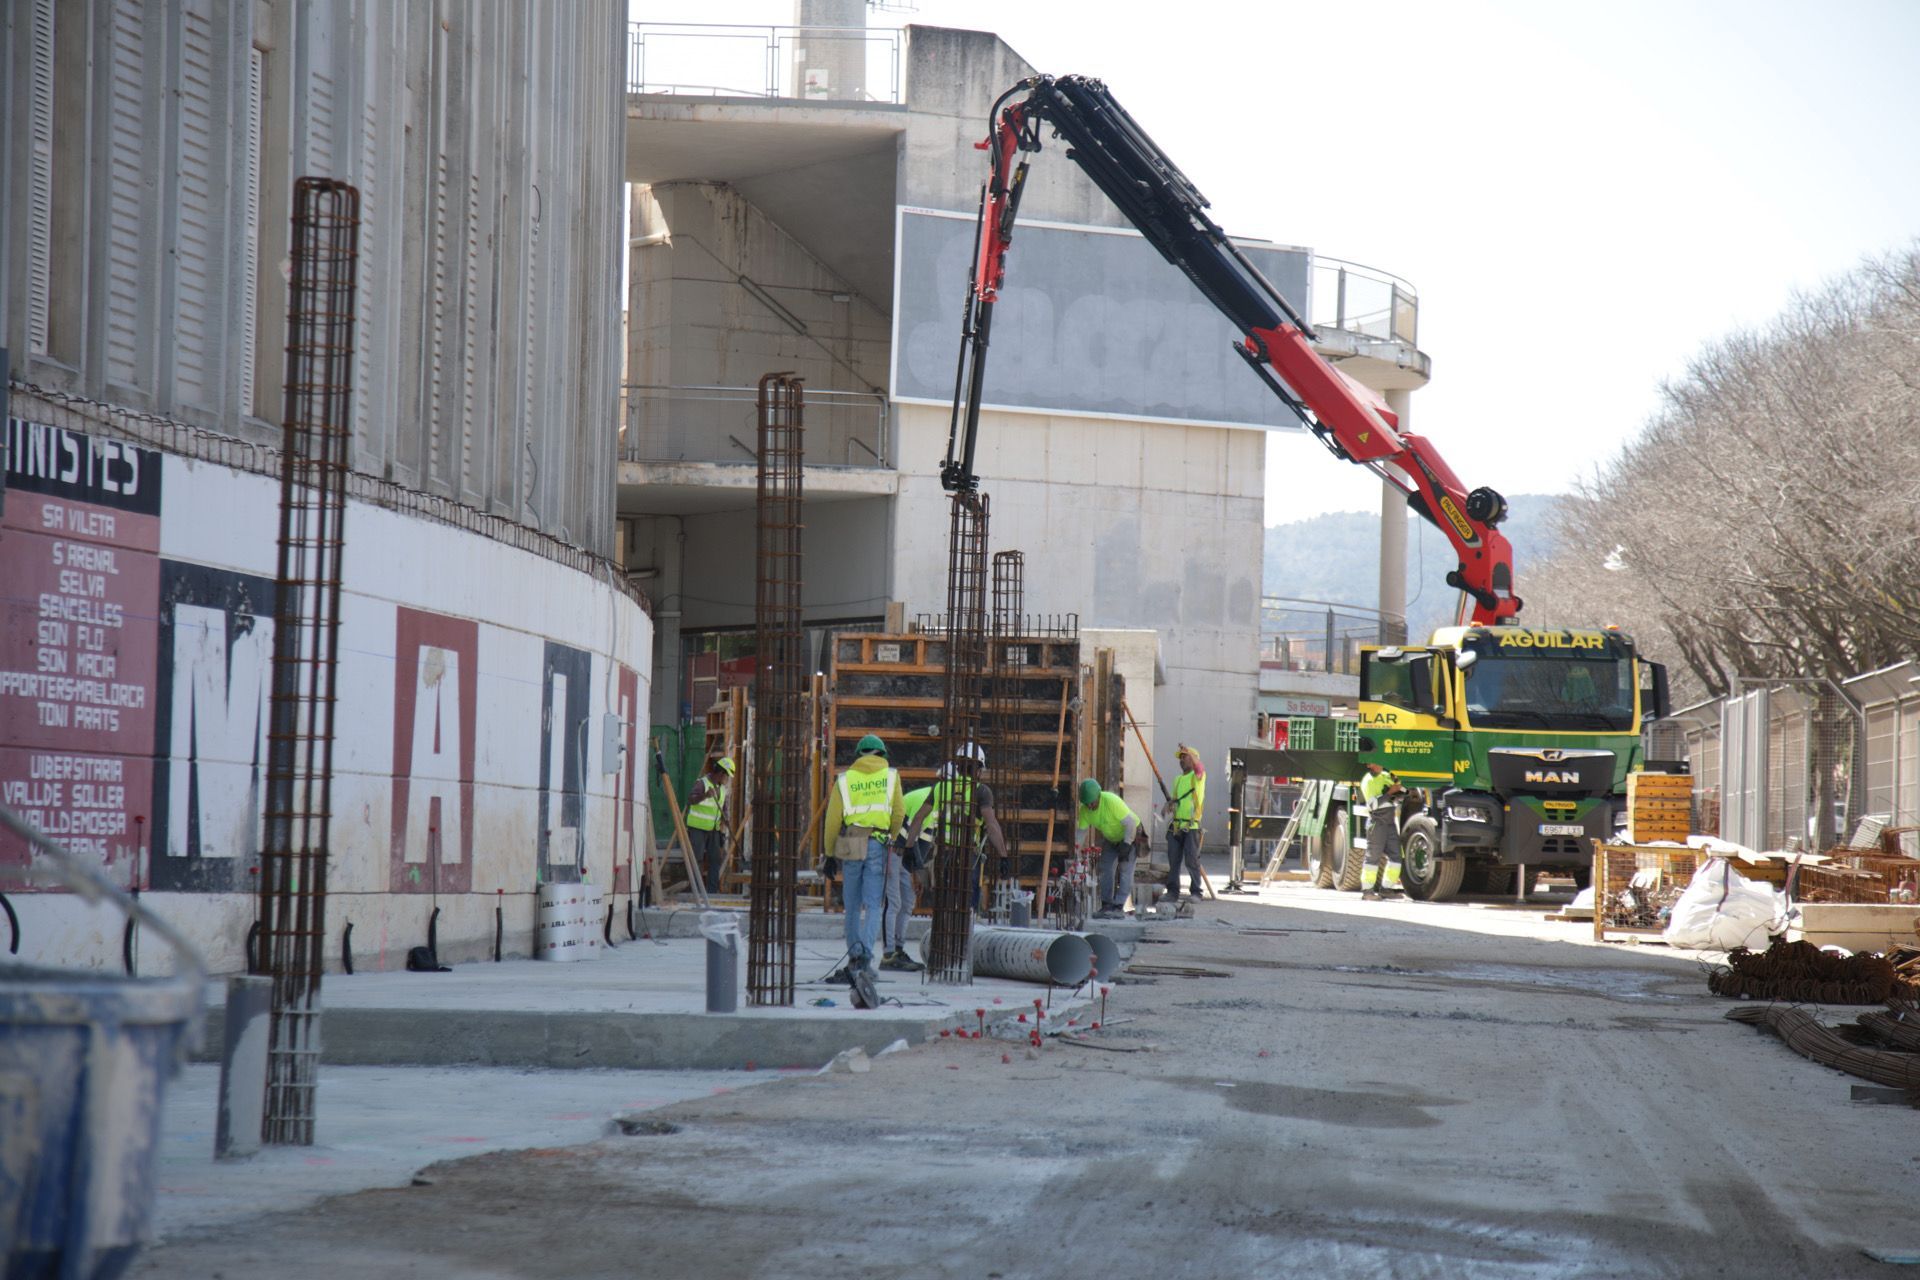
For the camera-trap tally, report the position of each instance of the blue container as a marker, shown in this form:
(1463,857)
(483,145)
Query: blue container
(84,1063)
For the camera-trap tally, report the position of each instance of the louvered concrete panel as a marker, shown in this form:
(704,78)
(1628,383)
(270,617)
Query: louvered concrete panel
(192,136)
(126,333)
(199,211)
(39,169)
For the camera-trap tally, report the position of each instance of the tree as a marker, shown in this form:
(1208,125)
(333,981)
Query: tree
(1766,520)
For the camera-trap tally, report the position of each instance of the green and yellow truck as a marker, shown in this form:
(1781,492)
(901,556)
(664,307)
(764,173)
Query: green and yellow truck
(1514,743)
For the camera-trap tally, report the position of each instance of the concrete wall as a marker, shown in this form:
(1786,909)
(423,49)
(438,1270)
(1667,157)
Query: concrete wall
(1136,656)
(474,683)
(1132,525)
(147,195)
(720,295)
(952,80)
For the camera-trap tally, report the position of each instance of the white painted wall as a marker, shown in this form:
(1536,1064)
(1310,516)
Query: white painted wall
(518,606)
(1129,524)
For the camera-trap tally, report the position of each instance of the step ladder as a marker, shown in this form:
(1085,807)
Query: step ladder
(1287,833)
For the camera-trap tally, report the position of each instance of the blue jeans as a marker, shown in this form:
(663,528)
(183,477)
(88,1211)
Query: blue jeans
(1183,851)
(864,885)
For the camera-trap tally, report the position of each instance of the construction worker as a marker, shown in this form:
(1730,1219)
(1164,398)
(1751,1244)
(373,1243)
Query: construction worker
(965,801)
(1380,873)
(706,818)
(1188,808)
(1105,816)
(903,861)
(864,807)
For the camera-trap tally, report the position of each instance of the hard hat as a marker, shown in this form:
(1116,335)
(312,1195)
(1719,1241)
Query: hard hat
(1089,792)
(725,762)
(870,746)
(971,751)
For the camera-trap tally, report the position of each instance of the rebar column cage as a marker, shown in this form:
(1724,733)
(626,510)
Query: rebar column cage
(1003,727)
(949,957)
(314,457)
(780,723)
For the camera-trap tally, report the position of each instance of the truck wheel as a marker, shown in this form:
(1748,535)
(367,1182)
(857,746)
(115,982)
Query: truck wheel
(1342,860)
(1497,880)
(1319,859)
(1424,873)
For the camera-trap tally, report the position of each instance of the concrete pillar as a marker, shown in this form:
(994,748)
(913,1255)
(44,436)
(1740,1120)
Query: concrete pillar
(1393,546)
(829,63)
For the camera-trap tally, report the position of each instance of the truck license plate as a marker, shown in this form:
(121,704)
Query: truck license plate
(1562,829)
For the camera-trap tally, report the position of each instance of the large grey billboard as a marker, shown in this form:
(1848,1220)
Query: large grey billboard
(1090,321)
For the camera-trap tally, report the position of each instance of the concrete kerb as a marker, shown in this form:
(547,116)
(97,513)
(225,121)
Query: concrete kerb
(639,1007)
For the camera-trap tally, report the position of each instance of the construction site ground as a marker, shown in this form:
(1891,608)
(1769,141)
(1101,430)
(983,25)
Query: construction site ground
(1292,1083)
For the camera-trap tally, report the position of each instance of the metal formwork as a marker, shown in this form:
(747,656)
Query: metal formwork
(315,446)
(947,957)
(779,773)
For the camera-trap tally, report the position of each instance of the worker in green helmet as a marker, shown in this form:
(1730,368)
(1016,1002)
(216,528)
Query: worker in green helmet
(865,806)
(1105,820)
(706,816)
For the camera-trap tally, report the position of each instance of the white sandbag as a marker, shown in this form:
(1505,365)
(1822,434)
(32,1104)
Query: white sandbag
(1722,909)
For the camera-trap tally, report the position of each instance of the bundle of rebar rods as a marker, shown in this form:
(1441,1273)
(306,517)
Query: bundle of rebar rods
(1805,1035)
(317,431)
(1897,1026)
(1004,712)
(1802,971)
(959,826)
(777,774)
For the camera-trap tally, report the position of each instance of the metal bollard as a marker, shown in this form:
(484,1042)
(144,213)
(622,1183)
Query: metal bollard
(243,1068)
(723,975)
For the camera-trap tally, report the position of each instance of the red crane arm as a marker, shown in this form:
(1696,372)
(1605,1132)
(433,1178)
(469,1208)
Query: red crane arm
(1277,341)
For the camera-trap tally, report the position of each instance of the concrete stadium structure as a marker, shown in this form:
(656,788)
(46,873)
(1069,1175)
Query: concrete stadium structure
(822,224)
(495,666)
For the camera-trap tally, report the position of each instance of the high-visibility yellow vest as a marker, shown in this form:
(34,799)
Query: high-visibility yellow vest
(956,794)
(1189,800)
(915,800)
(866,799)
(704,813)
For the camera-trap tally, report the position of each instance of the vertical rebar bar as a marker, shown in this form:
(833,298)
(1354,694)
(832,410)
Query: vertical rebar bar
(1005,699)
(959,825)
(315,445)
(779,774)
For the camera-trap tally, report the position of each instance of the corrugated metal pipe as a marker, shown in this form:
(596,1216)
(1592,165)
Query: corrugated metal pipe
(1033,955)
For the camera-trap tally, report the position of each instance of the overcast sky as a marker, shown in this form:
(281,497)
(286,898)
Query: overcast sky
(1582,193)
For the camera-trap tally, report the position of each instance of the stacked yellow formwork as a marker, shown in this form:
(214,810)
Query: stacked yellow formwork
(1659,807)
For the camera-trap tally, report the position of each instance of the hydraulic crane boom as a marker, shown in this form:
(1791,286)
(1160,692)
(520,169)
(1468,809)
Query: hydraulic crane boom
(1276,341)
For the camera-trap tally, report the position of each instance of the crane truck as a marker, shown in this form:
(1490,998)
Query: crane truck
(1515,742)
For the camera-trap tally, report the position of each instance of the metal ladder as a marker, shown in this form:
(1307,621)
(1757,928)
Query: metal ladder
(1286,839)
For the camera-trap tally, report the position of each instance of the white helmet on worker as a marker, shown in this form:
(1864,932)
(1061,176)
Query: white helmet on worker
(971,752)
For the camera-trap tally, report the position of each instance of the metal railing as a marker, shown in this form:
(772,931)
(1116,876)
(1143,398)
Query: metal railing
(1363,300)
(816,64)
(720,424)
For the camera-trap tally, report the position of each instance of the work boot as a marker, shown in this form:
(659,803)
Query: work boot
(899,961)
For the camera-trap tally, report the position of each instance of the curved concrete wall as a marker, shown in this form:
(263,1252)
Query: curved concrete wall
(476,685)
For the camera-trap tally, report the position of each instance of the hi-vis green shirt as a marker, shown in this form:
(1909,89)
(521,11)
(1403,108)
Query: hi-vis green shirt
(1109,818)
(1189,800)
(1374,785)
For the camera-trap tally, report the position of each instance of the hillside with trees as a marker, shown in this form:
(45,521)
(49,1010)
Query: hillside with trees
(1337,557)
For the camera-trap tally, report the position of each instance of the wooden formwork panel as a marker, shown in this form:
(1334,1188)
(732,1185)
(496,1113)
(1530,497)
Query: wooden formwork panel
(895,686)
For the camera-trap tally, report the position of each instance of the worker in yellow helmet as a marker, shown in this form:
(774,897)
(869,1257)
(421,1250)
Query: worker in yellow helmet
(1188,809)
(706,817)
